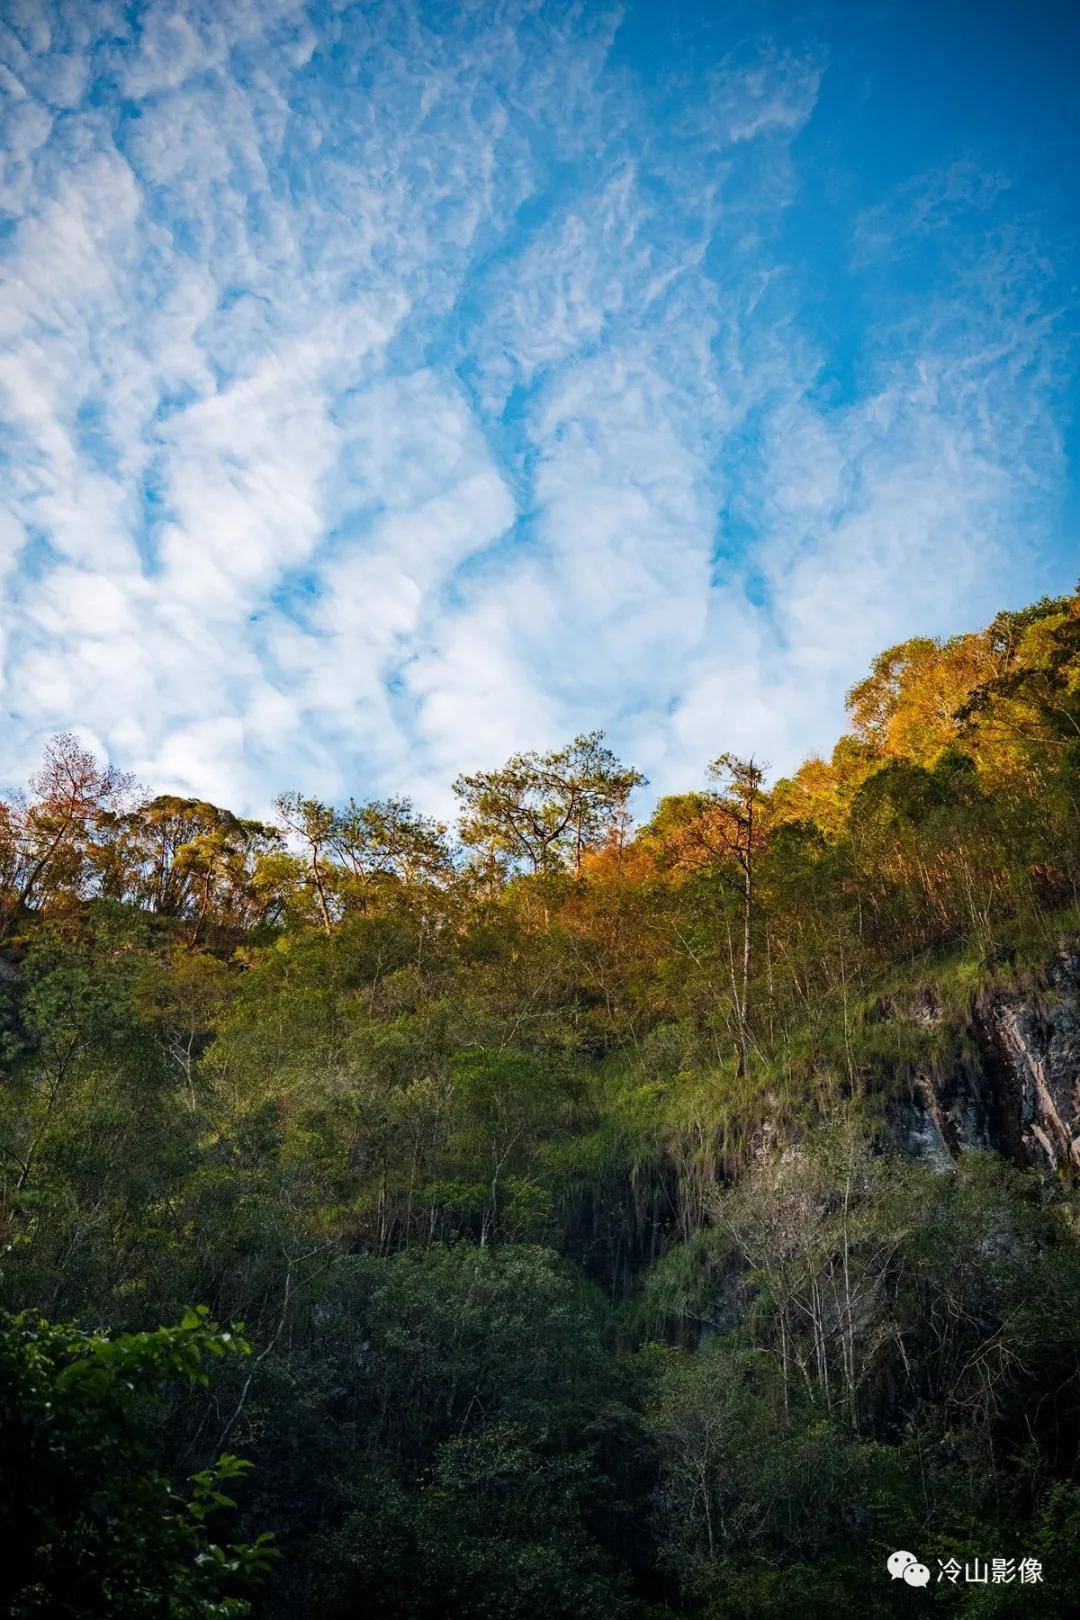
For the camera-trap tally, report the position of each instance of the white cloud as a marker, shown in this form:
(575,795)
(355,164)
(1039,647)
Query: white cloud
(389,391)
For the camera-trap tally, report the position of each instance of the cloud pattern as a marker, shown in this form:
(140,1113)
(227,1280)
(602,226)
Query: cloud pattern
(388,386)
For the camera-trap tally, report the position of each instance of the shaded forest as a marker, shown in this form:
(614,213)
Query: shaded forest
(550,1215)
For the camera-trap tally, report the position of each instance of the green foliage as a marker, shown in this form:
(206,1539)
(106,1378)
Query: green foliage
(545,810)
(456,1334)
(555,1171)
(495,1530)
(92,1526)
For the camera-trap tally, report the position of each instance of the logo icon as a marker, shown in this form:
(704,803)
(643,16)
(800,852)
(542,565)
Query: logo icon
(906,1567)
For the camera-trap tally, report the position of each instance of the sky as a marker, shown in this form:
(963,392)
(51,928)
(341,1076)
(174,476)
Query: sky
(387,387)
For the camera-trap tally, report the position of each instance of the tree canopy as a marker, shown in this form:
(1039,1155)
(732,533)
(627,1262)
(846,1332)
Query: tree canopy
(553,1164)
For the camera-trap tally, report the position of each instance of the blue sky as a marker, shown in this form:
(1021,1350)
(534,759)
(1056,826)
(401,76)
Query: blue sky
(386,387)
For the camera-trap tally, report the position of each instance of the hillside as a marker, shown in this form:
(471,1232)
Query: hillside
(672,1219)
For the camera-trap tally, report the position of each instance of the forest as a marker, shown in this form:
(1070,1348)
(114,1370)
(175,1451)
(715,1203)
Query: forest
(548,1214)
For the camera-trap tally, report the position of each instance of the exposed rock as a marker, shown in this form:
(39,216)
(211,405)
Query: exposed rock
(1016,1088)
(943,1115)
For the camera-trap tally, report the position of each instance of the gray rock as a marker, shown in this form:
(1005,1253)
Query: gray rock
(1018,1088)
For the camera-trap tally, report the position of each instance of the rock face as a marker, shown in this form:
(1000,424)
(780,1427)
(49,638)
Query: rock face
(1016,1088)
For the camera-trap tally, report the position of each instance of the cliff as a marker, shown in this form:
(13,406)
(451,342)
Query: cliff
(1012,1083)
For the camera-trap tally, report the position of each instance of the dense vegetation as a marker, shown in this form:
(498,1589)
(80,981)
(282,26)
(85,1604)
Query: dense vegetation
(541,1177)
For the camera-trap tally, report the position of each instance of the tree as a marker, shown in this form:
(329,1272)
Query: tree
(337,1087)
(498,1530)
(314,824)
(188,858)
(92,1524)
(736,826)
(49,841)
(1034,699)
(179,998)
(722,830)
(387,839)
(478,1393)
(745,1483)
(907,705)
(545,810)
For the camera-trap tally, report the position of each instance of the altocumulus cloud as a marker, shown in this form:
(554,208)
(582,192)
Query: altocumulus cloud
(388,386)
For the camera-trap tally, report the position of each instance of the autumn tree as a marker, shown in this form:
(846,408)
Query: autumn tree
(906,707)
(723,830)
